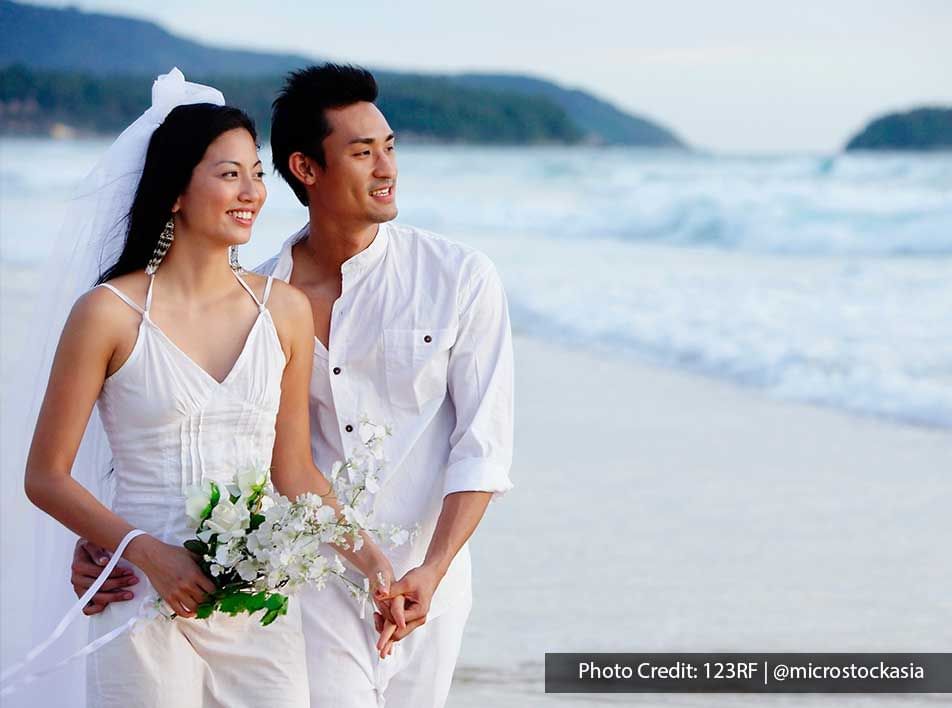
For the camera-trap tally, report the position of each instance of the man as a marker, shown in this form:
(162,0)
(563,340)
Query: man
(412,332)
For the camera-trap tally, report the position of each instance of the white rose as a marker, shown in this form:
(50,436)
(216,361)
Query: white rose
(197,499)
(250,479)
(228,520)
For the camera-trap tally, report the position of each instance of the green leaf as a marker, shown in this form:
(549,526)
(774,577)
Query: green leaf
(276,601)
(204,611)
(212,501)
(269,617)
(234,603)
(196,546)
(256,602)
(256,521)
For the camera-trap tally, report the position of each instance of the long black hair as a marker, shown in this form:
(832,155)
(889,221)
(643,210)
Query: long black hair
(176,147)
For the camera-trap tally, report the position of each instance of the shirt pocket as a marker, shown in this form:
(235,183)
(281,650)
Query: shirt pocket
(416,364)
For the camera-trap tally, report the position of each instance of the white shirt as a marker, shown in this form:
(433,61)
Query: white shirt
(419,340)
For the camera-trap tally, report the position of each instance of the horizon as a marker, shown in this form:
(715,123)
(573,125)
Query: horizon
(735,81)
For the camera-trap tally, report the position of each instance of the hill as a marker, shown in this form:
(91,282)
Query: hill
(918,129)
(76,52)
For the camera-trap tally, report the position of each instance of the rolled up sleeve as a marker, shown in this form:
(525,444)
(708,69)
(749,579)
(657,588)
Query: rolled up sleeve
(480,383)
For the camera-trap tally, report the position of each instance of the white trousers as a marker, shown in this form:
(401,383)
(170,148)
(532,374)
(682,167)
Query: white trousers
(221,662)
(345,670)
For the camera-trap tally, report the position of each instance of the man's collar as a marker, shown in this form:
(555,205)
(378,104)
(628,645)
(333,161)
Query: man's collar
(357,263)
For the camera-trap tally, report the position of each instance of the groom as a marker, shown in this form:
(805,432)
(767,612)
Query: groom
(412,332)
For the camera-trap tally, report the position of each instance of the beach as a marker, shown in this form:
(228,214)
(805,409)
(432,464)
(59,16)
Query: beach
(733,402)
(661,511)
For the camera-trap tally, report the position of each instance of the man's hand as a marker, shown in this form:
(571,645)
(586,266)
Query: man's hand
(416,588)
(88,562)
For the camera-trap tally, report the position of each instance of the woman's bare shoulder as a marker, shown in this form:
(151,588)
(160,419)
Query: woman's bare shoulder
(291,312)
(288,300)
(101,308)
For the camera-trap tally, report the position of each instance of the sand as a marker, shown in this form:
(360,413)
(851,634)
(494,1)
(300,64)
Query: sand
(660,511)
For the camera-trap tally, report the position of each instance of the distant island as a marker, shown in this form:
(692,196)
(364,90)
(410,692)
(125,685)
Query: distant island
(65,71)
(919,129)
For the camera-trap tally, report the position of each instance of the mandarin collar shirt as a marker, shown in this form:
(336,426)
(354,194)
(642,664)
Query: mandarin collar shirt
(420,341)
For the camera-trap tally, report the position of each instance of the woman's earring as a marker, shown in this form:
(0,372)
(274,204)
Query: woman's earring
(233,259)
(162,247)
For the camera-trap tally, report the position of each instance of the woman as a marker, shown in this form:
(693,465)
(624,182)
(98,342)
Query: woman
(198,370)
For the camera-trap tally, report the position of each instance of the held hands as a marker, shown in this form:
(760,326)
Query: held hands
(408,602)
(172,571)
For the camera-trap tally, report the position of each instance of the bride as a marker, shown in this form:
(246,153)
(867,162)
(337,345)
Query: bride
(198,370)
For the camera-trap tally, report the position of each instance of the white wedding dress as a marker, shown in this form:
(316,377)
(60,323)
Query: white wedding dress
(170,424)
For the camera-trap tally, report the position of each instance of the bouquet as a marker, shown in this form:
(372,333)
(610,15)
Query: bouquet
(258,546)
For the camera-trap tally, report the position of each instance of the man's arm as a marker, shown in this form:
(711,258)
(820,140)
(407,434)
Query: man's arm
(88,562)
(480,383)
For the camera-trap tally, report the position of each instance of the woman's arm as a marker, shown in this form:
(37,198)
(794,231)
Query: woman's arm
(292,464)
(78,372)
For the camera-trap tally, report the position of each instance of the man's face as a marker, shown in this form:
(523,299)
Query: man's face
(360,181)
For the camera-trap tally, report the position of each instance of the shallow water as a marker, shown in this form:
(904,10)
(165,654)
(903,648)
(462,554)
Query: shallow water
(825,279)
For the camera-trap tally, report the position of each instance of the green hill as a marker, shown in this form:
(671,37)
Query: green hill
(92,71)
(919,129)
(600,121)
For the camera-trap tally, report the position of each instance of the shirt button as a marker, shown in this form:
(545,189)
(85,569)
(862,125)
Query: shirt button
(336,370)
(428,339)
(349,428)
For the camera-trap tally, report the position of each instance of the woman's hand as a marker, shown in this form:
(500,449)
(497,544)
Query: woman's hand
(380,574)
(173,572)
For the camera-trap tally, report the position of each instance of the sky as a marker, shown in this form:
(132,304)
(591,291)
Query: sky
(731,76)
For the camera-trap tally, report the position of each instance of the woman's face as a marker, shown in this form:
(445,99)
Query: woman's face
(226,191)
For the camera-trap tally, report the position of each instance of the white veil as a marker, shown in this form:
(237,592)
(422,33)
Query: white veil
(90,240)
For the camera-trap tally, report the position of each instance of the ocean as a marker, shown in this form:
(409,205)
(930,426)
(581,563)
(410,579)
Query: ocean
(824,279)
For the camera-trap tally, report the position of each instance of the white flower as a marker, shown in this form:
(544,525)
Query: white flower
(399,536)
(251,480)
(284,552)
(228,520)
(247,569)
(197,499)
(354,516)
(372,483)
(370,432)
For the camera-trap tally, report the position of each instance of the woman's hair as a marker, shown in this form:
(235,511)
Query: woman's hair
(176,147)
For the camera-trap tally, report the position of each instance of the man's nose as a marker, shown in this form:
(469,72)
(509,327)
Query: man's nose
(386,166)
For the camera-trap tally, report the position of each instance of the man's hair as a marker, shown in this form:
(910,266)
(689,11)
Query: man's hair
(298,121)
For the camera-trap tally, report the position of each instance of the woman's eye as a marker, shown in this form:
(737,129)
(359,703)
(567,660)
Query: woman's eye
(260,174)
(230,174)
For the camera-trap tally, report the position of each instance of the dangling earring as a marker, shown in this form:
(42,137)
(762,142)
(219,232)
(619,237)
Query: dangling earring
(233,259)
(162,247)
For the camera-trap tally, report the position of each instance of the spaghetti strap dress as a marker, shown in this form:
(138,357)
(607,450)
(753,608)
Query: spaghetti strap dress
(170,425)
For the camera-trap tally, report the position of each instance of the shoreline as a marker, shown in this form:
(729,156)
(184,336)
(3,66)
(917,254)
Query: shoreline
(657,510)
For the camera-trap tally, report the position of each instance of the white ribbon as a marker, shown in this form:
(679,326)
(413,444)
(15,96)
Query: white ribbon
(74,612)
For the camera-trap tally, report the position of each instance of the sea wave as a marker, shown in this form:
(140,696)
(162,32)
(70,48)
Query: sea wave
(814,205)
